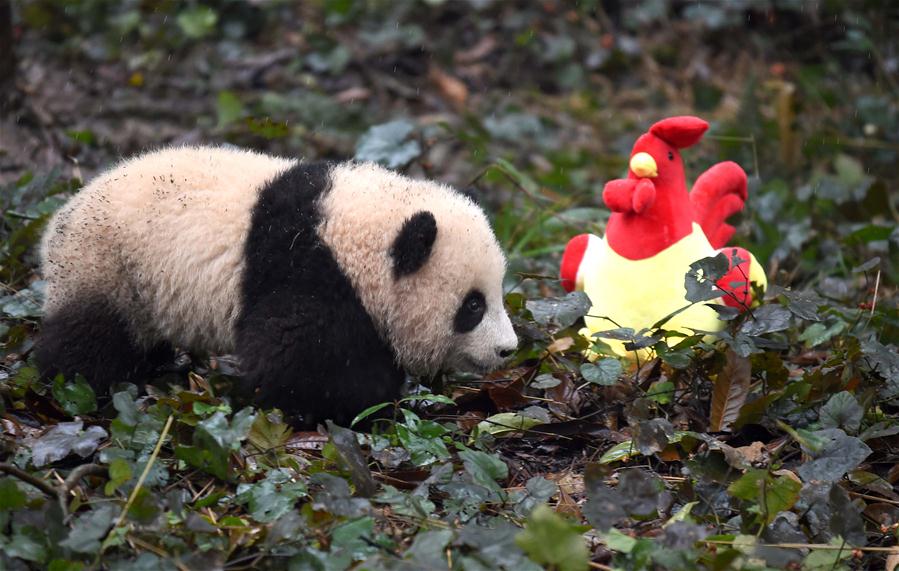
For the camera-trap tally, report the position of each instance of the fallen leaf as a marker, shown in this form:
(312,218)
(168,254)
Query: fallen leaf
(730,392)
(64,439)
(453,89)
(560,345)
(476,52)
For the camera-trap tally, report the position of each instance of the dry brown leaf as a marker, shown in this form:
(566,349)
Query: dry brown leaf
(892,560)
(353,94)
(730,392)
(755,454)
(567,505)
(560,345)
(452,88)
(306,440)
(476,52)
(570,482)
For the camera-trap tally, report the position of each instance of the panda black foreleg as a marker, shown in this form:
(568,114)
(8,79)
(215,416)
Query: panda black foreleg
(317,361)
(91,338)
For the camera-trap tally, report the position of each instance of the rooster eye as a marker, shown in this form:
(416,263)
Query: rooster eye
(670,156)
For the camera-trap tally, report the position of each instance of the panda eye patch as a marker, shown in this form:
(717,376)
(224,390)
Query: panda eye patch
(470,312)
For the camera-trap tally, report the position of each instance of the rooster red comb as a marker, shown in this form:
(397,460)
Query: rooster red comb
(680,132)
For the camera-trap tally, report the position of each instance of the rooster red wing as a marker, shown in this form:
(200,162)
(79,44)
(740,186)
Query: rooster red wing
(718,193)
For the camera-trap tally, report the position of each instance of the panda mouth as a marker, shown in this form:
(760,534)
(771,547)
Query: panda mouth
(470,365)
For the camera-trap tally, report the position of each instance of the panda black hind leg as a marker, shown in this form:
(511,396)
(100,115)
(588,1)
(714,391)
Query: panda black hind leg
(304,339)
(91,338)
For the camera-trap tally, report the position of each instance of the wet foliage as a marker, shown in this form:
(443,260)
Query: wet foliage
(771,446)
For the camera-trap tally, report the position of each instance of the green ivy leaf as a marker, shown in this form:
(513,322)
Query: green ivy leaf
(273,497)
(89,529)
(428,549)
(485,469)
(75,397)
(842,411)
(772,494)
(213,441)
(537,490)
(559,313)
(64,439)
(119,473)
(837,454)
(552,541)
(505,424)
(228,108)
(700,280)
(389,144)
(197,22)
(11,497)
(602,372)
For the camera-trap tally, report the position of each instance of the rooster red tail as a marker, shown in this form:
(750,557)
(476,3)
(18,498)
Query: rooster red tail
(717,194)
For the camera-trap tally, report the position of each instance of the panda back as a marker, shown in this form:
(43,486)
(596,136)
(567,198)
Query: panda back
(162,236)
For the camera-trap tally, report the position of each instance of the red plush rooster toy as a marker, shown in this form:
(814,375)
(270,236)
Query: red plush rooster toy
(634,276)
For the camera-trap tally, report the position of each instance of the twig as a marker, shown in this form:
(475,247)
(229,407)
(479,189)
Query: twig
(143,476)
(80,472)
(876,287)
(598,566)
(60,491)
(38,483)
(875,498)
(155,549)
(821,546)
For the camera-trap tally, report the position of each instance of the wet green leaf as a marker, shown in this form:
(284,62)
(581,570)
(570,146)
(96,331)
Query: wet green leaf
(700,280)
(485,469)
(389,144)
(89,528)
(350,452)
(602,372)
(66,438)
(550,540)
(76,397)
(837,454)
(197,21)
(119,473)
(842,411)
(11,497)
(772,494)
(273,497)
(559,313)
(506,423)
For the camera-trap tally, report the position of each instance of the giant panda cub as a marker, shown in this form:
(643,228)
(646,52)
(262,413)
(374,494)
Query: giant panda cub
(327,280)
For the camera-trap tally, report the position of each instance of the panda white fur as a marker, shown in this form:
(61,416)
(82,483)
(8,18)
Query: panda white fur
(326,279)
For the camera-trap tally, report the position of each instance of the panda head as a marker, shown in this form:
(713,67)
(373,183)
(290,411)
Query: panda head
(447,281)
(425,264)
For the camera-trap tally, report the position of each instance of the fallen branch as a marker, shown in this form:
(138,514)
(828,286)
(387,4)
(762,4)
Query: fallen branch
(40,484)
(821,546)
(60,492)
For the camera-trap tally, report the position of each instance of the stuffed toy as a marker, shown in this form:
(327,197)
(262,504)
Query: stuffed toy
(634,275)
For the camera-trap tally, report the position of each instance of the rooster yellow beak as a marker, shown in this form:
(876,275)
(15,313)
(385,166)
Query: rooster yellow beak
(644,166)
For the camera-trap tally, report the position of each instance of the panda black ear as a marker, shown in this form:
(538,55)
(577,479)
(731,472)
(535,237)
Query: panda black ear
(412,247)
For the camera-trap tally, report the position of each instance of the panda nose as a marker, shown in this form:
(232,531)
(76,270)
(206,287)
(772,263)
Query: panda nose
(504,353)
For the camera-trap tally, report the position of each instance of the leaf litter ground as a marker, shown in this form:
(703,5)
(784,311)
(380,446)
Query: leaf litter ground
(771,447)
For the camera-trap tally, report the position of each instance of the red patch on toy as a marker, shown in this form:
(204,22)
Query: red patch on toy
(571,260)
(681,132)
(736,280)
